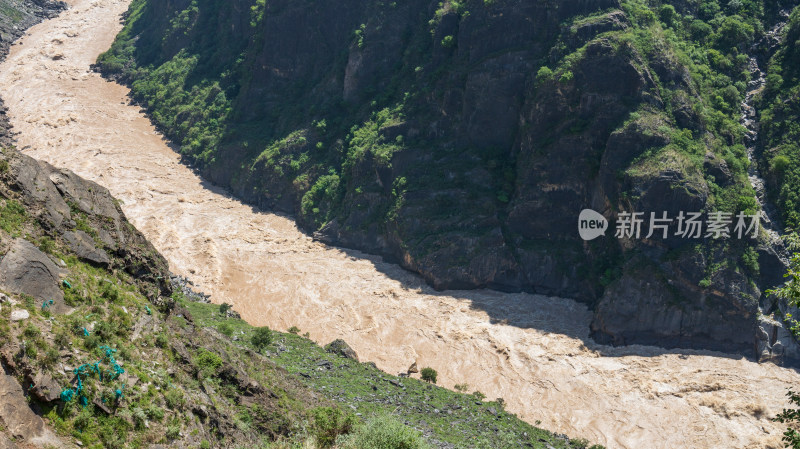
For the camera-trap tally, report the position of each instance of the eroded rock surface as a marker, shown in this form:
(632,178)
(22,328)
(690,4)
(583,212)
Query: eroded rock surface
(25,269)
(19,419)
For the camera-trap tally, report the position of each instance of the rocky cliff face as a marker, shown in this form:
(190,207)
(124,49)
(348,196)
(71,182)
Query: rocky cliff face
(462,139)
(51,206)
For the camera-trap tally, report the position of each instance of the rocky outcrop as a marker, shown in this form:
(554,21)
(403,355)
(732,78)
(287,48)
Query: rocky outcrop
(341,348)
(648,297)
(25,269)
(84,216)
(84,247)
(19,419)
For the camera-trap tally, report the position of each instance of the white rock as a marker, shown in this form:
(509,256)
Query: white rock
(19,315)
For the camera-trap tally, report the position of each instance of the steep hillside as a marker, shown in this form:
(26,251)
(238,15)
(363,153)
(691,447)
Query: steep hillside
(97,350)
(462,139)
(779,147)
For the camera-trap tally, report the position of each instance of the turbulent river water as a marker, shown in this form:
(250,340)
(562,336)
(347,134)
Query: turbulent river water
(540,359)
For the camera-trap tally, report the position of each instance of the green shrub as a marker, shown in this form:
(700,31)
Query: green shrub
(319,197)
(224,307)
(61,338)
(667,14)
(750,261)
(74,296)
(50,358)
(154,412)
(429,375)
(226,329)
(700,30)
(91,341)
(31,331)
(261,338)
(47,245)
(294,330)
(207,361)
(779,164)
(734,32)
(544,74)
(383,432)
(31,351)
(110,292)
(139,418)
(173,431)
(113,431)
(105,330)
(174,398)
(359,33)
(84,419)
(449,41)
(329,423)
(162,340)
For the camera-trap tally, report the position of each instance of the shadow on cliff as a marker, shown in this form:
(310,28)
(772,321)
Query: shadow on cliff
(555,315)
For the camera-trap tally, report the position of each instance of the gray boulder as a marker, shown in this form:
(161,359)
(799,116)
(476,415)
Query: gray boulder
(44,387)
(34,183)
(19,419)
(85,247)
(26,270)
(341,348)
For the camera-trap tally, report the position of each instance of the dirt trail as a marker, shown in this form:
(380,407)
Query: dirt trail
(541,361)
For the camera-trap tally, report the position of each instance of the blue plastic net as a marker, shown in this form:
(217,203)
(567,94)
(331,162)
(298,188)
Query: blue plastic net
(67,395)
(90,369)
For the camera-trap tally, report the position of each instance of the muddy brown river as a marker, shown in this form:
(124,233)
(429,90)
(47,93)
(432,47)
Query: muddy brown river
(541,360)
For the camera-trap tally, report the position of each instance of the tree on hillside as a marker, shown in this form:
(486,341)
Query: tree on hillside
(429,375)
(261,337)
(224,307)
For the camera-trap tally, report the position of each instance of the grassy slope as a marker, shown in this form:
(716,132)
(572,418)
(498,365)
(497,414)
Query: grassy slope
(462,420)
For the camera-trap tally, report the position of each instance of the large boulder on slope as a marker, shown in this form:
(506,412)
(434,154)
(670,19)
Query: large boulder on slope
(26,270)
